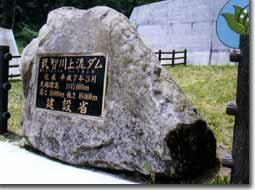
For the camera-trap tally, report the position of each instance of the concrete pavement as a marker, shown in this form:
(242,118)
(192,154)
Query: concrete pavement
(19,166)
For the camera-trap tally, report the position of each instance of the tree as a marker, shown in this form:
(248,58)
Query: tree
(7,9)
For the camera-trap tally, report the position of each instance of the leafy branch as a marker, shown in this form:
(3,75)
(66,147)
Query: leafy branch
(239,21)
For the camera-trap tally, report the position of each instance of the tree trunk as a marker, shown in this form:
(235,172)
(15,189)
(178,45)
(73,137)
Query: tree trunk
(240,172)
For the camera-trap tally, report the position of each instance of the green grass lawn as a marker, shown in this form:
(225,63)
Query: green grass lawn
(210,88)
(15,107)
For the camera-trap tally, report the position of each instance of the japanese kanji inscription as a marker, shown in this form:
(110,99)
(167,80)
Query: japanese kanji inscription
(72,83)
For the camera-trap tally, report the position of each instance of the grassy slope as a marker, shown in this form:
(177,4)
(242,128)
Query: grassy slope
(15,106)
(210,88)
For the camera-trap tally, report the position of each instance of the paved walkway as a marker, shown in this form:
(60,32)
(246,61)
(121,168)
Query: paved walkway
(19,166)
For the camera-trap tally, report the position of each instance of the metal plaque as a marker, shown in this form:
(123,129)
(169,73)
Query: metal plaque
(72,83)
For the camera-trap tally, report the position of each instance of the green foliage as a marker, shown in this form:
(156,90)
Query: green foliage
(234,24)
(238,11)
(27,32)
(239,21)
(25,35)
(147,167)
(6,13)
(21,44)
(220,180)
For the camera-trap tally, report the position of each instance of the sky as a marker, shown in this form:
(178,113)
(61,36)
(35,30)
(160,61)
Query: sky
(225,34)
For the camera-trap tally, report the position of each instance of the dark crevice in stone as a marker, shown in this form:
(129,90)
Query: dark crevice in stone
(53,144)
(104,15)
(192,148)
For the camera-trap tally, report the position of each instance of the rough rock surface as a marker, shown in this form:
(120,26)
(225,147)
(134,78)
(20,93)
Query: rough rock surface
(148,126)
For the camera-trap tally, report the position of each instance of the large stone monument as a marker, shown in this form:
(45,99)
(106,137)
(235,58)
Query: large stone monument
(95,95)
(183,24)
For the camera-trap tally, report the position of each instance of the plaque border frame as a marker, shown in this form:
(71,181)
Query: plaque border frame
(55,112)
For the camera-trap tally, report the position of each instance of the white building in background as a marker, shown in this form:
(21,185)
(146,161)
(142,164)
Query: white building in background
(7,39)
(180,24)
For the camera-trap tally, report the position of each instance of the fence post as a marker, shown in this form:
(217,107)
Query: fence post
(240,173)
(4,87)
(173,57)
(159,54)
(185,57)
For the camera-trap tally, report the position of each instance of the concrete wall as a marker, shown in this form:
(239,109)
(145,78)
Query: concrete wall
(180,24)
(7,39)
